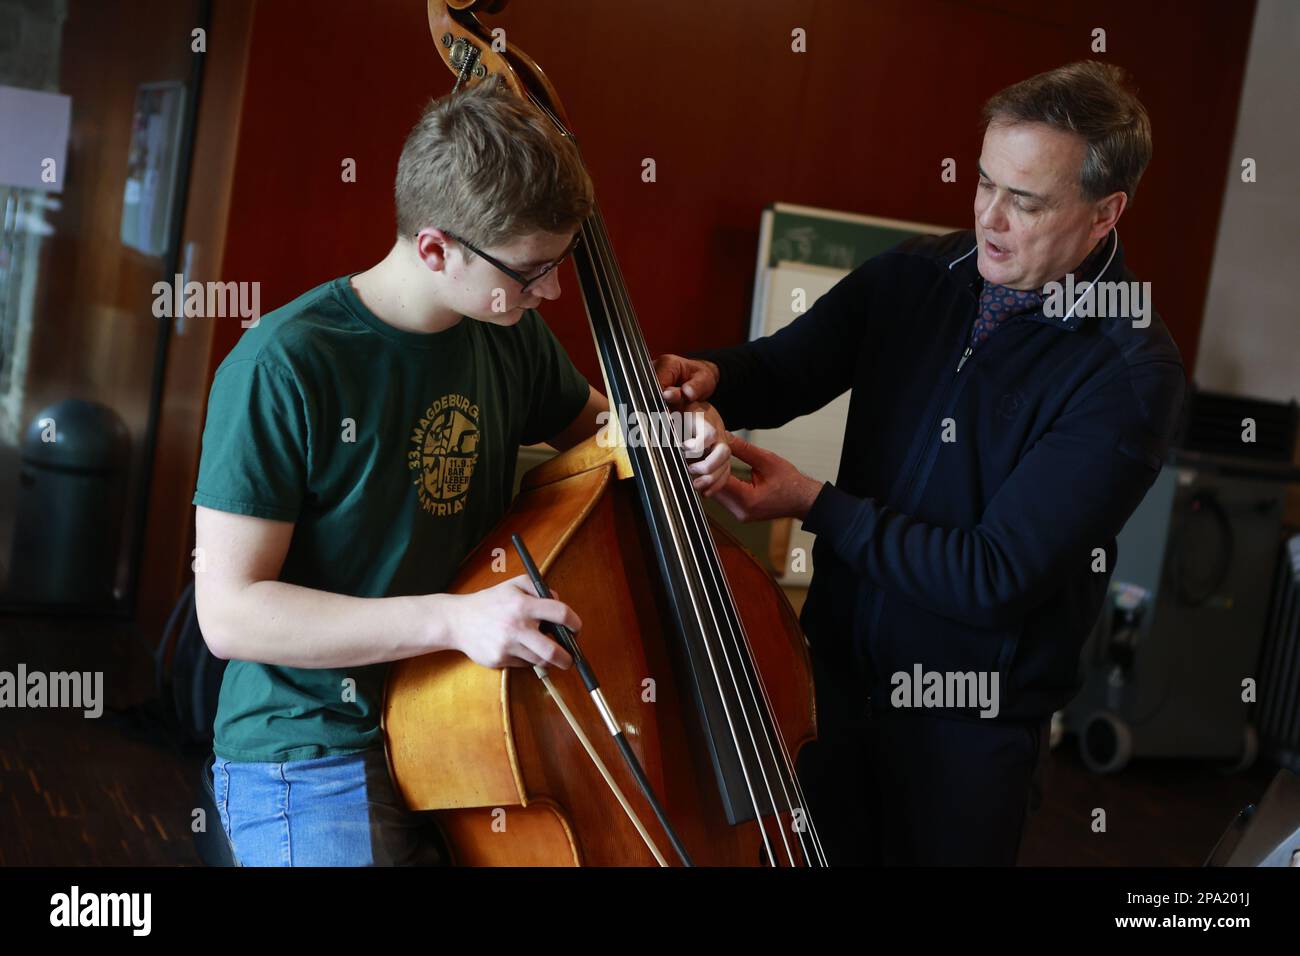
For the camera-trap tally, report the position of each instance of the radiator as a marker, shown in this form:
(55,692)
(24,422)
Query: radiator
(1279,690)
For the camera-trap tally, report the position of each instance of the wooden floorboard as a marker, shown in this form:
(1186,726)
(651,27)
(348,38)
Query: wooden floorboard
(1157,812)
(104,792)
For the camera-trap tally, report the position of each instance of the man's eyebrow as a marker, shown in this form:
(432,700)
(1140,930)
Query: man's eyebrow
(1019,192)
(526,266)
(533,264)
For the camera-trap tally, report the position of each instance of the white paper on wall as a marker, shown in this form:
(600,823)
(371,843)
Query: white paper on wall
(34,147)
(812,443)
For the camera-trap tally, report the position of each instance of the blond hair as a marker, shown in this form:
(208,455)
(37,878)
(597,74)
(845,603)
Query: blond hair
(484,164)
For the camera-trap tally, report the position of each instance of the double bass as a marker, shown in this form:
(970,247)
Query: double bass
(685,754)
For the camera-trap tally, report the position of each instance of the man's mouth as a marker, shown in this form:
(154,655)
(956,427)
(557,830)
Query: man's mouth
(994,250)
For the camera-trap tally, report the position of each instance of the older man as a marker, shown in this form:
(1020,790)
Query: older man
(1000,433)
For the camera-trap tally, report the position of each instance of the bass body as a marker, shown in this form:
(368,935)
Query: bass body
(494,756)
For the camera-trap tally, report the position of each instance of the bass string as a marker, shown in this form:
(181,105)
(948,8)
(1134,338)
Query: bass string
(602,269)
(706,560)
(712,562)
(701,540)
(657,483)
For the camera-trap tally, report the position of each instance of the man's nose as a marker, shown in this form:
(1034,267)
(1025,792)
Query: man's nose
(549,286)
(992,216)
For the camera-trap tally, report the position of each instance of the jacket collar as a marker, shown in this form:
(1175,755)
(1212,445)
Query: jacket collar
(964,266)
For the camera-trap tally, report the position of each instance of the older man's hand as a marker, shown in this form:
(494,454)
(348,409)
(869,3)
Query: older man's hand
(776,489)
(685,380)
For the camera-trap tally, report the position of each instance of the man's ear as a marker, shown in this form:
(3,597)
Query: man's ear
(1108,212)
(431,246)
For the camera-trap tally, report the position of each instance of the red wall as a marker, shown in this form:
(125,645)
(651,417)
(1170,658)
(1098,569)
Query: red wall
(734,120)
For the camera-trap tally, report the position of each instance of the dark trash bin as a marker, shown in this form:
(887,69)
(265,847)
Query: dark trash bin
(71,499)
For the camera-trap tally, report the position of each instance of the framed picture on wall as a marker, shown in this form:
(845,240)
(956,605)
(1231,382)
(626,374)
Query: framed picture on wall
(150,191)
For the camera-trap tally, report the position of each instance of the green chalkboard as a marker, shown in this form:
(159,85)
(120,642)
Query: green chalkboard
(834,240)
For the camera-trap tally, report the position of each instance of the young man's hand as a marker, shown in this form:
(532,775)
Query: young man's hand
(708,440)
(777,489)
(498,626)
(685,380)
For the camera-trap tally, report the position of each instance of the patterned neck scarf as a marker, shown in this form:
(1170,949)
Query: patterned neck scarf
(999,303)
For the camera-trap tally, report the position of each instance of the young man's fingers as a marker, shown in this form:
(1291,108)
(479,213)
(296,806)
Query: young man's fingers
(708,486)
(521,655)
(522,582)
(720,455)
(549,653)
(703,436)
(557,612)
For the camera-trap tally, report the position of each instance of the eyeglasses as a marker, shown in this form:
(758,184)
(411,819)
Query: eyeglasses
(523,280)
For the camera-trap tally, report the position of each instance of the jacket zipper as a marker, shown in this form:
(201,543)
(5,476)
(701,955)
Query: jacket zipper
(878,596)
(970,341)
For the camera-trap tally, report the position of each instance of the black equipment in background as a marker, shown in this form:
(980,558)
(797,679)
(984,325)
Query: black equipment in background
(1264,835)
(187,675)
(1213,424)
(1170,661)
(1278,710)
(188,681)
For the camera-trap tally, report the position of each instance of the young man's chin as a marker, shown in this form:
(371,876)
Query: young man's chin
(503,318)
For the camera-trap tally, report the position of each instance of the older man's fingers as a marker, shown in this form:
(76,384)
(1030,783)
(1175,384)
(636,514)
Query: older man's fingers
(732,496)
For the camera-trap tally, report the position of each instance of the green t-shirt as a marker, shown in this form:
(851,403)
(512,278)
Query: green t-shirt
(392,452)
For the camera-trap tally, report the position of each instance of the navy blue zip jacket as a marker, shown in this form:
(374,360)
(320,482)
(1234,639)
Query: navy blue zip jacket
(974,554)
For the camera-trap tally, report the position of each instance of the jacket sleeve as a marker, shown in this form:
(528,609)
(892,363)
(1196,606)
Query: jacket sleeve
(1072,492)
(801,367)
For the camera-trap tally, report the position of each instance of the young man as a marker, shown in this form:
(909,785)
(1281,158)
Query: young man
(360,441)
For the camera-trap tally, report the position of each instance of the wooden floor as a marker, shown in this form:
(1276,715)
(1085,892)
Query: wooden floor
(1158,812)
(95,792)
(75,791)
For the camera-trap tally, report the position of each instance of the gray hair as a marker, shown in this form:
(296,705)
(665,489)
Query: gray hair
(1092,100)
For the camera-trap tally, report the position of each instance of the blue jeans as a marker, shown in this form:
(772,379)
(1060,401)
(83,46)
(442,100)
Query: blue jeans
(328,811)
